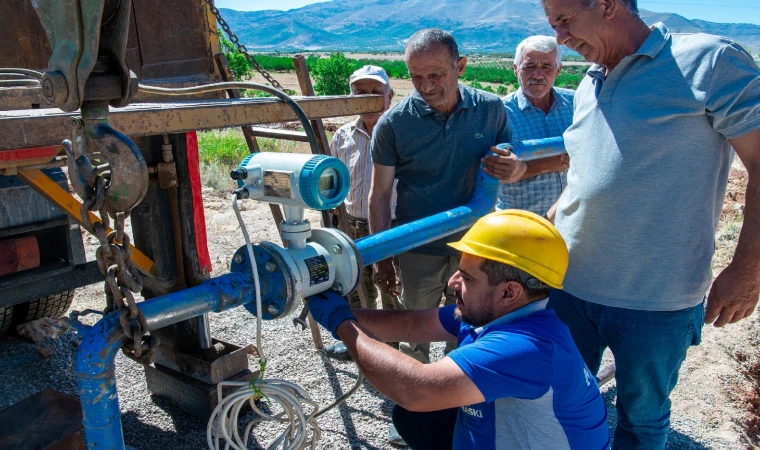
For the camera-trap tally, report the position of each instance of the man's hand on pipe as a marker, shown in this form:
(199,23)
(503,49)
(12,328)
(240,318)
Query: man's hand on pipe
(733,296)
(330,310)
(503,165)
(559,163)
(385,277)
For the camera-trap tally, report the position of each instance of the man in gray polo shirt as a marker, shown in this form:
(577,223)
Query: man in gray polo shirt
(650,151)
(433,142)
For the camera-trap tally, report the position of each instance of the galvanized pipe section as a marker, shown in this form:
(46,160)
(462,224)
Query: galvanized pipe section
(95,358)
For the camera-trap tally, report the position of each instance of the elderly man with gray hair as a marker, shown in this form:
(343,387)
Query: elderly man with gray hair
(537,110)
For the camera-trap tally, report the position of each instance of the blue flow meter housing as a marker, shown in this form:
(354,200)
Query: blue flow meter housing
(324,182)
(317,182)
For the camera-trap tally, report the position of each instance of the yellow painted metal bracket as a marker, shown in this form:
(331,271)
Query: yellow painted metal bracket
(64,201)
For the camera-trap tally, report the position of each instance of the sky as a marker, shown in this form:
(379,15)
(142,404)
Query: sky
(747,11)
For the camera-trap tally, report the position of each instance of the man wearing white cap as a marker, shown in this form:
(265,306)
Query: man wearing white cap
(351,145)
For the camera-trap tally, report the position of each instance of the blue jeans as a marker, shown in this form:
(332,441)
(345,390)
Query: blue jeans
(649,348)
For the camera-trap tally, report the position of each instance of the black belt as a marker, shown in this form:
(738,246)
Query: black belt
(355,221)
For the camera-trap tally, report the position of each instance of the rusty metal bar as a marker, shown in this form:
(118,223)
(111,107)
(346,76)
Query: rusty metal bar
(605,375)
(43,127)
(43,185)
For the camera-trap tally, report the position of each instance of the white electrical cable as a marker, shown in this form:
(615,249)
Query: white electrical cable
(290,397)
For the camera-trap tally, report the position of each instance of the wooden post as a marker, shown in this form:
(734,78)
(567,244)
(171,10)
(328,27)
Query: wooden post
(250,138)
(304,80)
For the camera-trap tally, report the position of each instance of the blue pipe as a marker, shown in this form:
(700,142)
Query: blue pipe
(383,245)
(379,246)
(532,149)
(95,358)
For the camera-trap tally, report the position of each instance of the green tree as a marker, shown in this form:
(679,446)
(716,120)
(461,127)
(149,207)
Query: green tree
(238,63)
(331,75)
(502,90)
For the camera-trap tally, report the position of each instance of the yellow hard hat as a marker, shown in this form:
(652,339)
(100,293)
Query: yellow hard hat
(523,240)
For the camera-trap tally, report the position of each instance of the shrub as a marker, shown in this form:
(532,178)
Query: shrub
(331,75)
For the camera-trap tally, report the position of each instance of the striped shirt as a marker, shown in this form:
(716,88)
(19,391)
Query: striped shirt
(536,194)
(350,144)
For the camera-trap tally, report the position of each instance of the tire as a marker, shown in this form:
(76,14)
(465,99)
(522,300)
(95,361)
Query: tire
(6,319)
(48,306)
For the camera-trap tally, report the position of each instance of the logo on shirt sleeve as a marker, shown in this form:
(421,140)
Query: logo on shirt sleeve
(472,412)
(588,375)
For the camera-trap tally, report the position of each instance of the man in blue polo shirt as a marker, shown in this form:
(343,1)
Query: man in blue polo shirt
(433,143)
(516,381)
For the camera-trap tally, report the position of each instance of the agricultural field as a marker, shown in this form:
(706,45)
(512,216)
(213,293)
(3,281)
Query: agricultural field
(492,73)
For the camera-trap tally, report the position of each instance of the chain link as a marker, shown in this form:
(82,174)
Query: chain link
(114,261)
(241,48)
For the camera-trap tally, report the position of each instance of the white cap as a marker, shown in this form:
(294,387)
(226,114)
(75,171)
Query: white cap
(370,73)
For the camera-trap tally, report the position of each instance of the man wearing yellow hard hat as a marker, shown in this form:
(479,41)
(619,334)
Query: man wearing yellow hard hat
(517,381)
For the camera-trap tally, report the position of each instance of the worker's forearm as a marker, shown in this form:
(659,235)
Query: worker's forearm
(403,325)
(390,371)
(544,165)
(386,325)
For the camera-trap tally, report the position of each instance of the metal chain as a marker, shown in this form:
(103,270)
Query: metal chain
(114,261)
(241,48)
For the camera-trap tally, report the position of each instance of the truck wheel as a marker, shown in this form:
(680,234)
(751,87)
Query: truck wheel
(48,306)
(6,318)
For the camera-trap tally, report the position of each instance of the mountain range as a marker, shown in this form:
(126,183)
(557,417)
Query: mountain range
(482,26)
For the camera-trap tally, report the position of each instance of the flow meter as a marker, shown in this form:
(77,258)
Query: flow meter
(313,260)
(308,181)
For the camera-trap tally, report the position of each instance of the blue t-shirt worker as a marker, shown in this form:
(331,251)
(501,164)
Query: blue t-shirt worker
(517,381)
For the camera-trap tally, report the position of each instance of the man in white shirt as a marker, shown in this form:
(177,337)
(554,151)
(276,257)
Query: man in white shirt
(350,144)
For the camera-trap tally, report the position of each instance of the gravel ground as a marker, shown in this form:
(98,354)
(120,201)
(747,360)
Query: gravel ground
(708,406)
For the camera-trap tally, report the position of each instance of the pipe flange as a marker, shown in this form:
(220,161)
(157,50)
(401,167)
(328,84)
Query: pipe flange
(274,277)
(345,255)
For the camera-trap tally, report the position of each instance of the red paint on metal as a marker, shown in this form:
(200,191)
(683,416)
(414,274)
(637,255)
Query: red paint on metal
(19,254)
(199,218)
(28,153)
